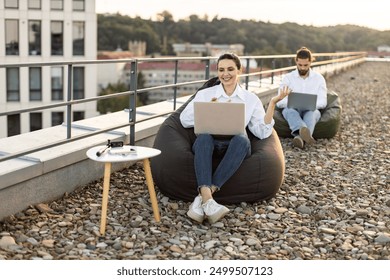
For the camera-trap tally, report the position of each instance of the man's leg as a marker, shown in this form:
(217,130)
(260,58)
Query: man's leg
(311,118)
(293,119)
(295,122)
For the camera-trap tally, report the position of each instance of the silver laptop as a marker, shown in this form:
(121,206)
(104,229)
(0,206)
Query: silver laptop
(219,118)
(302,101)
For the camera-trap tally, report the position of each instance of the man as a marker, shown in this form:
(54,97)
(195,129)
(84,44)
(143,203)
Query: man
(305,80)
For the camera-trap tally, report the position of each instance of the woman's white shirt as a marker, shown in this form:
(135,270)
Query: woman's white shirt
(254,110)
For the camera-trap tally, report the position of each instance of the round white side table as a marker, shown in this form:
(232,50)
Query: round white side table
(125,154)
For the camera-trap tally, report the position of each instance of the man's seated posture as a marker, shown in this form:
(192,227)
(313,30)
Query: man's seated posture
(303,80)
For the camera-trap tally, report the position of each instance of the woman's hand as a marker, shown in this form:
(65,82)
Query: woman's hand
(285,91)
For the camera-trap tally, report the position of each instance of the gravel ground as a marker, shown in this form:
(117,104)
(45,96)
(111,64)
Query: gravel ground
(333,204)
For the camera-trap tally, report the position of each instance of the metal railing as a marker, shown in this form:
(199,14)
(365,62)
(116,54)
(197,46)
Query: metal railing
(270,72)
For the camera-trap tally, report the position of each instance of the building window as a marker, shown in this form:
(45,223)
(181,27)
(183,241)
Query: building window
(78,38)
(34,37)
(35,83)
(11,37)
(13,124)
(13,93)
(34,4)
(78,5)
(13,4)
(78,115)
(35,121)
(56,4)
(57,38)
(57,83)
(78,82)
(57,118)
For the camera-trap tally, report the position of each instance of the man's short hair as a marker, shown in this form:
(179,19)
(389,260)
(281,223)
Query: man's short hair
(304,53)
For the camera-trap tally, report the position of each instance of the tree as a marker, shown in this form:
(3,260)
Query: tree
(165,25)
(256,36)
(120,103)
(114,104)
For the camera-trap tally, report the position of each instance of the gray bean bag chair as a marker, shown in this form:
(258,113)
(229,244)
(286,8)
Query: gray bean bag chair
(258,178)
(327,126)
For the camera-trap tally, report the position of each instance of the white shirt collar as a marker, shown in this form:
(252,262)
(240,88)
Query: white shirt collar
(238,91)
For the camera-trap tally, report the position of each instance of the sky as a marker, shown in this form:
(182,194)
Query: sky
(368,13)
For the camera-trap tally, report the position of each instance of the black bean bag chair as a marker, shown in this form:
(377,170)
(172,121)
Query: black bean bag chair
(258,178)
(327,126)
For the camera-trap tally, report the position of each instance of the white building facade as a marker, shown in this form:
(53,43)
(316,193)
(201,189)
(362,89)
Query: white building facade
(46,31)
(207,49)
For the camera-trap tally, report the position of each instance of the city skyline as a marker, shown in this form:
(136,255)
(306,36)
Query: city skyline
(371,14)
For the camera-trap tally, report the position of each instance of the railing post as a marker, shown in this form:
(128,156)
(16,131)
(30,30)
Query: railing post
(247,72)
(272,74)
(261,69)
(207,72)
(175,88)
(69,106)
(133,100)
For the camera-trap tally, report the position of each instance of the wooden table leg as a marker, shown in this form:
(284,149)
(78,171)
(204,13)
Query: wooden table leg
(152,192)
(106,187)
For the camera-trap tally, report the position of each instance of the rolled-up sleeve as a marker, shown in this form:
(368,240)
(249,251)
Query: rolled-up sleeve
(322,94)
(187,115)
(257,125)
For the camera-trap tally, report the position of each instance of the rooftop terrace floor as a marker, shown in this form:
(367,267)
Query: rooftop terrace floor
(333,204)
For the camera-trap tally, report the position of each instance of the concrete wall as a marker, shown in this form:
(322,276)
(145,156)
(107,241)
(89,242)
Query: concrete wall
(48,174)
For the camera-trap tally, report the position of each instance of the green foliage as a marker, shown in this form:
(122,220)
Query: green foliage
(120,103)
(258,37)
(116,31)
(142,97)
(114,104)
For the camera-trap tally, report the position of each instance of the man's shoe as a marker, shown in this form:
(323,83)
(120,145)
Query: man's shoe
(304,132)
(196,211)
(298,142)
(214,211)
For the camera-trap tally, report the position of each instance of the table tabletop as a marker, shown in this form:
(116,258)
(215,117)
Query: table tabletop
(122,154)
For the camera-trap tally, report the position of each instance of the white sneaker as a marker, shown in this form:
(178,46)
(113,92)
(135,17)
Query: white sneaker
(196,211)
(214,211)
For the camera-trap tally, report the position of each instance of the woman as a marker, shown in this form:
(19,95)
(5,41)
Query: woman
(236,149)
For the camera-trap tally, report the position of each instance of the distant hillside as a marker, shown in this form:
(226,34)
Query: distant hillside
(259,37)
